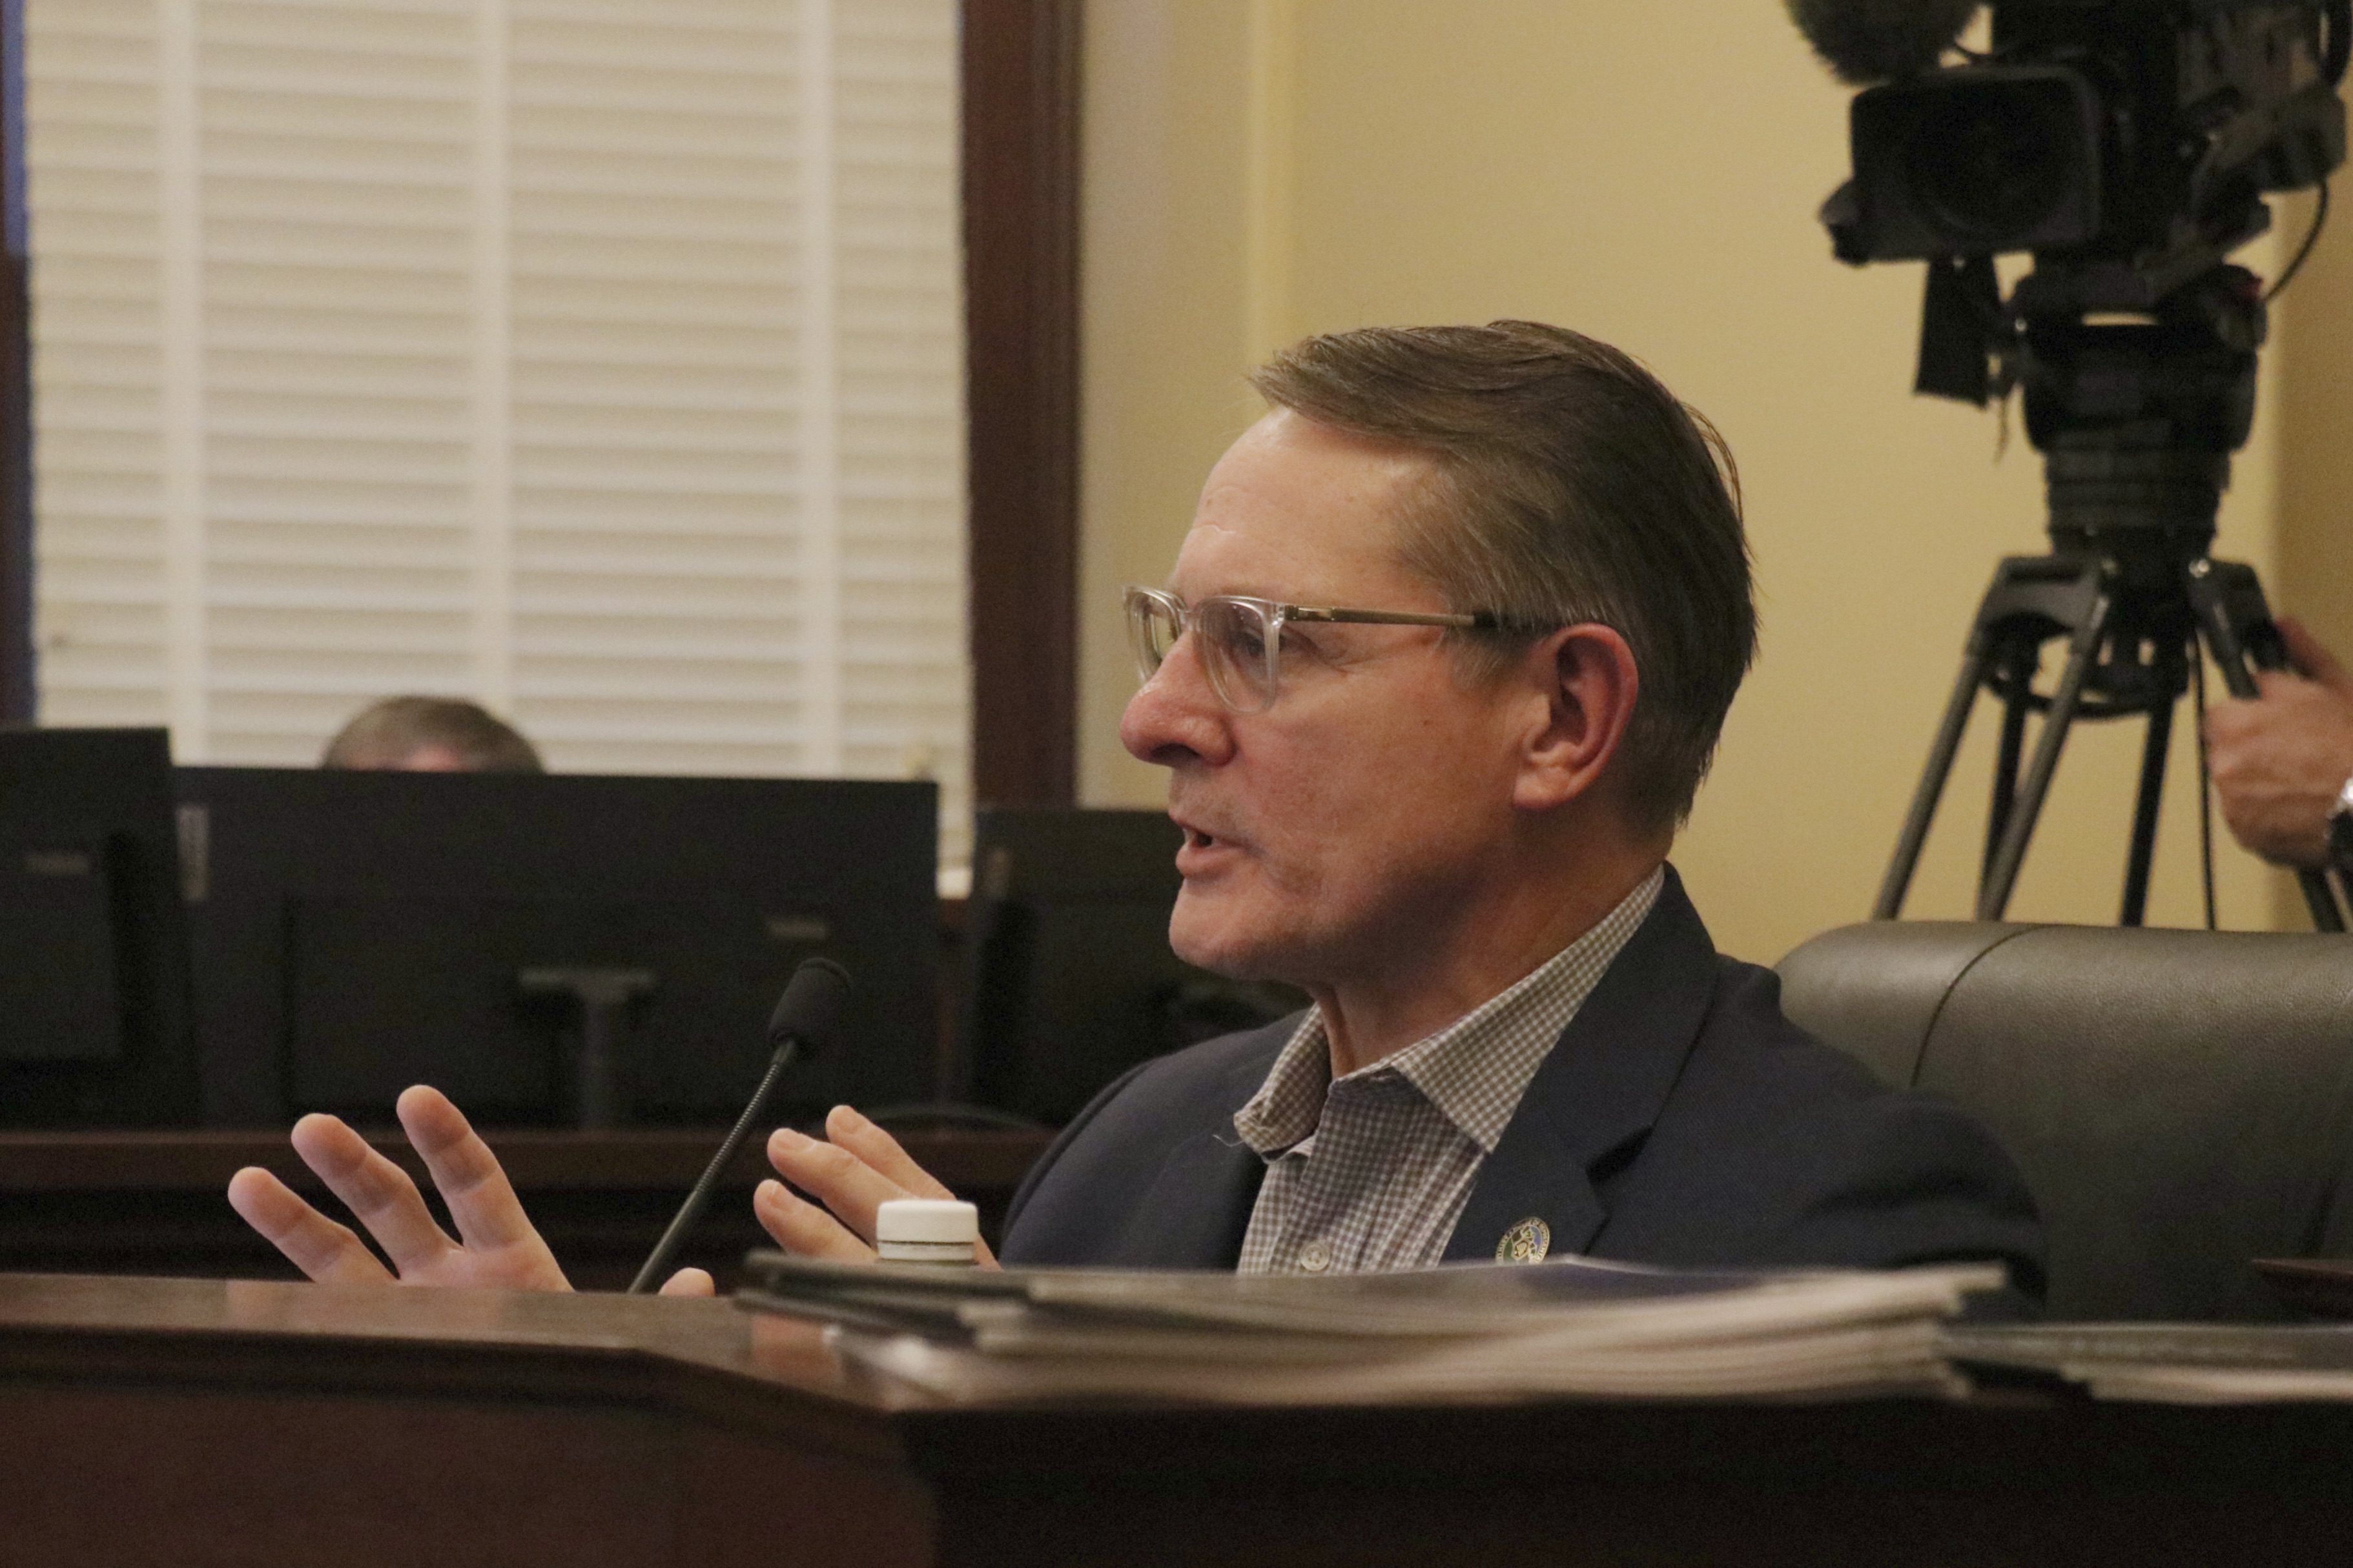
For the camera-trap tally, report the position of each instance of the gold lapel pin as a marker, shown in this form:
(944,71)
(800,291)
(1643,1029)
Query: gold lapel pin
(1526,1242)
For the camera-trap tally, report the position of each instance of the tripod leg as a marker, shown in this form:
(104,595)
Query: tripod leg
(1975,659)
(2018,662)
(2153,750)
(1993,891)
(2319,899)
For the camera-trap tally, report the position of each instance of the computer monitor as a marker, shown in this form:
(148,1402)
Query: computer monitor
(355,932)
(1070,979)
(94,1015)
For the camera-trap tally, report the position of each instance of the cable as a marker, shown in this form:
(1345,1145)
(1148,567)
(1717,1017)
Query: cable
(2311,237)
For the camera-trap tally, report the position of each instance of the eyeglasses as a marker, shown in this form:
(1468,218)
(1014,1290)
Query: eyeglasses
(1241,640)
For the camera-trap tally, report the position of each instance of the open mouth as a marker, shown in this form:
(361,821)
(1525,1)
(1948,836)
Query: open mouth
(1197,839)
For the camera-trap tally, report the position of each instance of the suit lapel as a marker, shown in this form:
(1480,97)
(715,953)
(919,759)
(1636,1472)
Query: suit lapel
(1602,1084)
(1198,1207)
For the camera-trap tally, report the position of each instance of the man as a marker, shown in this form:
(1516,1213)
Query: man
(430,735)
(2283,762)
(1441,663)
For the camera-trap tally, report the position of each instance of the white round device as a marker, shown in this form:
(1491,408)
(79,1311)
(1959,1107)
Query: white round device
(927,1230)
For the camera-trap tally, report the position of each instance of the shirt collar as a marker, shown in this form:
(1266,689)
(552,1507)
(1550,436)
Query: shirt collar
(1475,1069)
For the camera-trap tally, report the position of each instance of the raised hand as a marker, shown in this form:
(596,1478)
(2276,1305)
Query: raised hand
(497,1244)
(851,1172)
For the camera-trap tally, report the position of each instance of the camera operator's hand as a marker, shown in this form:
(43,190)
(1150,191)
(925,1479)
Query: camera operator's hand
(497,1245)
(2279,761)
(852,1171)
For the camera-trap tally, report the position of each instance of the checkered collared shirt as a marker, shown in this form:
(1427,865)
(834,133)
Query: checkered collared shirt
(1370,1171)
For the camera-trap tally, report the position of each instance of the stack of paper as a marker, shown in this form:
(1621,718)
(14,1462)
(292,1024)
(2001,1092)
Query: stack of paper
(2177,1364)
(1461,1331)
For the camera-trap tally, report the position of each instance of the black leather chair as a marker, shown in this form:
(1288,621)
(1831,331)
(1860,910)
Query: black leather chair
(2181,1101)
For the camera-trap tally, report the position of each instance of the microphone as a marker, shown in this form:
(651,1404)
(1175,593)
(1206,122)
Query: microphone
(809,1015)
(1867,41)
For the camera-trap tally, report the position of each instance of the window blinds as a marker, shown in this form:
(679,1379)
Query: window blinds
(597,359)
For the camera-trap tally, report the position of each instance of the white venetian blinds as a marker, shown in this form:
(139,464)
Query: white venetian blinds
(597,359)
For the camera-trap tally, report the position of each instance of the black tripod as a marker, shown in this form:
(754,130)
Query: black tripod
(2136,419)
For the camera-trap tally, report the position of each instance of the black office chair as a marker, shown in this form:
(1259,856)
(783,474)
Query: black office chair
(2181,1101)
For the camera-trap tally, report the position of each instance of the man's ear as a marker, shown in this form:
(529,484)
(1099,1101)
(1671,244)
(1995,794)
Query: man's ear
(1586,678)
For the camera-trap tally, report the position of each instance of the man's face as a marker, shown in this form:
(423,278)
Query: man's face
(1348,823)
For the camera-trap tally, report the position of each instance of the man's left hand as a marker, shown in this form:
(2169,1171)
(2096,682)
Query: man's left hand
(852,1171)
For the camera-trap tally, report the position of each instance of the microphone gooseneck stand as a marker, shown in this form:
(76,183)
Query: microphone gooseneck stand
(808,1013)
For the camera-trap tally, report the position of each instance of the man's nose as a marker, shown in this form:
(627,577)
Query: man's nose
(1175,716)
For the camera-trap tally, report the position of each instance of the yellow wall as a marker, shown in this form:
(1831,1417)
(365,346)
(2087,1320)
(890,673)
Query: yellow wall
(1261,169)
(2313,347)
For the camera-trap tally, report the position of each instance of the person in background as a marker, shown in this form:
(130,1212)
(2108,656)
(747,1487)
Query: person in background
(430,735)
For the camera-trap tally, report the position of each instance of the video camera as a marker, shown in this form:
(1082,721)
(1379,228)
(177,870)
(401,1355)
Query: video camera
(2127,143)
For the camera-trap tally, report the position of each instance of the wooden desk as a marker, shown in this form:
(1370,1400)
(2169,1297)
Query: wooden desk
(207,1422)
(155,1203)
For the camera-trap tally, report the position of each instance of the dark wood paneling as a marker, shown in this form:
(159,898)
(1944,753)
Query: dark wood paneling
(1021,217)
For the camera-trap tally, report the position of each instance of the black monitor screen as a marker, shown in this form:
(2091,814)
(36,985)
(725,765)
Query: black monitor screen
(356,932)
(1072,979)
(93,981)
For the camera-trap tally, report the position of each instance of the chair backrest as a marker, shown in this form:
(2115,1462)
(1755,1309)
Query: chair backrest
(2179,1101)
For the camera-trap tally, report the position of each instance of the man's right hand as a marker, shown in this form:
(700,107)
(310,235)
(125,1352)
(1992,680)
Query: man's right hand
(497,1244)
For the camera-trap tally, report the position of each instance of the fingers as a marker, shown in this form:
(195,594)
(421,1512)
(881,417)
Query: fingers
(502,1247)
(2228,726)
(883,1154)
(2272,685)
(2277,765)
(856,1169)
(377,1192)
(482,1203)
(801,1228)
(840,1175)
(2307,654)
(316,1244)
(688,1282)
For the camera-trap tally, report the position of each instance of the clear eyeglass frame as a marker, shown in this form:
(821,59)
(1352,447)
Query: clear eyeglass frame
(1240,637)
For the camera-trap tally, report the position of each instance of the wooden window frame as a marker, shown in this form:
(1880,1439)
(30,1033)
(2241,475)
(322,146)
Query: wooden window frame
(1021,180)
(1021,304)
(16,385)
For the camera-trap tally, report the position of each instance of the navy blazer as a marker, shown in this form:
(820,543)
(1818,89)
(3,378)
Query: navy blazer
(1680,1120)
